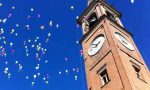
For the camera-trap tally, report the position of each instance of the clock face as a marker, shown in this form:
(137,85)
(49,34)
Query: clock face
(96,45)
(124,41)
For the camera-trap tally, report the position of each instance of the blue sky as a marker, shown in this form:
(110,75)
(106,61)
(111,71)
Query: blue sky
(39,47)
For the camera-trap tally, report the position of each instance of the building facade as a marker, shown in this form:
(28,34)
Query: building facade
(112,60)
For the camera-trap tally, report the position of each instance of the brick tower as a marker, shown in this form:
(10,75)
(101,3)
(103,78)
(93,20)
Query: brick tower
(112,60)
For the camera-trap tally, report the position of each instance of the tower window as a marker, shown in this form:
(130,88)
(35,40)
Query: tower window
(90,88)
(111,16)
(104,77)
(137,70)
(92,19)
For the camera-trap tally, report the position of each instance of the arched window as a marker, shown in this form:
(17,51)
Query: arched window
(92,19)
(111,16)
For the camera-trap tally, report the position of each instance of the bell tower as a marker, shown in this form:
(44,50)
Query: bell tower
(112,60)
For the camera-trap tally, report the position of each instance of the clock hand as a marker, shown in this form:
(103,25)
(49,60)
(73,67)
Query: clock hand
(95,45)
(98,42)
